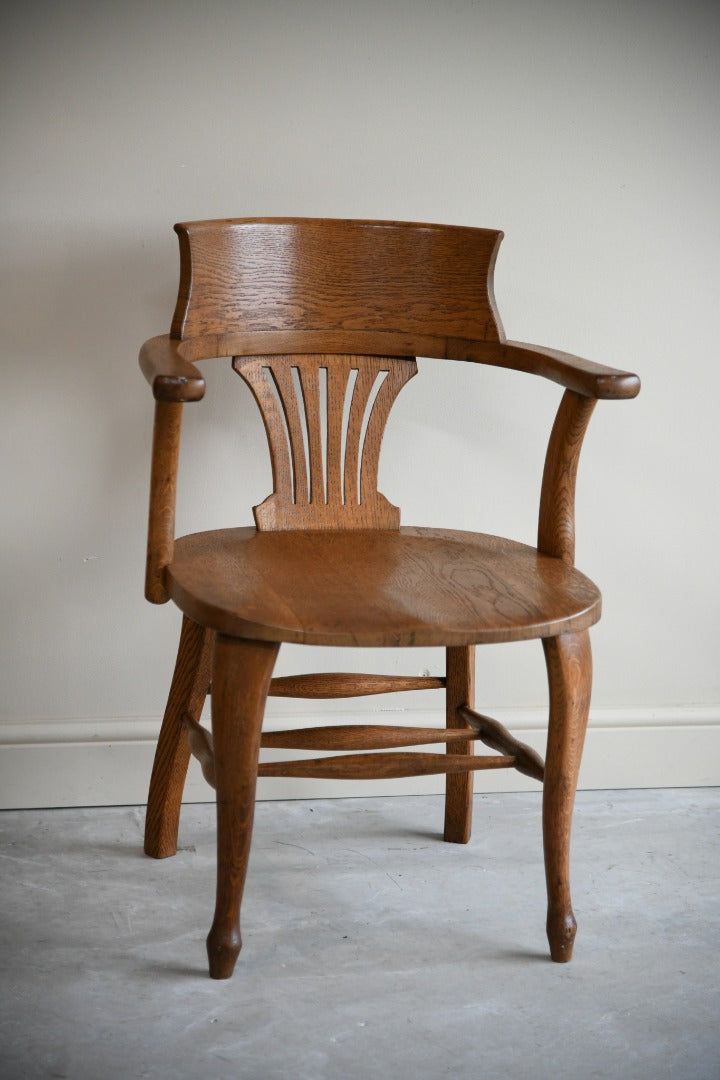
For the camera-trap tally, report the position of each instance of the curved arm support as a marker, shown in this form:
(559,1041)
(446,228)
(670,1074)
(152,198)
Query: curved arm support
(163,490)
(573,372)
(172,377)
(168,364)
(556,525)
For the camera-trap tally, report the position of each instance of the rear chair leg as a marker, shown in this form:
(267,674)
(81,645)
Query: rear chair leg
(187,695)
(241,679)
(569,666)
(459,690)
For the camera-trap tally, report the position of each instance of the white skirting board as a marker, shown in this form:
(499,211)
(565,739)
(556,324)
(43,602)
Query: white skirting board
(107,762)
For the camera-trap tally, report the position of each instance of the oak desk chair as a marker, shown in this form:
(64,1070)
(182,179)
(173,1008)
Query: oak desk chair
(324,320)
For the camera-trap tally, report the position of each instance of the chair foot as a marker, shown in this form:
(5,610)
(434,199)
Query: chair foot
(569,666)
(561,930)
(241,679)
(188,691)
(223,948)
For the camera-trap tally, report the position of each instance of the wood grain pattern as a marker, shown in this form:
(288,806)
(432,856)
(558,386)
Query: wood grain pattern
(292,273)
(569,666)
(314,313)
(387,588)
(169,365)
(359,737)
(390,766)
(325,472)
(188,691)
(345,684)
(556,526)
(201,746)
(365,766)
(345,737)
(497,737)
(163,490)
(460,690)
(241,679)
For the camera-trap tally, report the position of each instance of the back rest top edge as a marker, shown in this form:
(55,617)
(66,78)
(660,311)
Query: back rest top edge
(274,274)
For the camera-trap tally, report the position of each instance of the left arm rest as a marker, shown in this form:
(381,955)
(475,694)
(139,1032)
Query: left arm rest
(172,377)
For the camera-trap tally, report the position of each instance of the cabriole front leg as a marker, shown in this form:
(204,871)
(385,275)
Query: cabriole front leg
(569,666)
(241,679)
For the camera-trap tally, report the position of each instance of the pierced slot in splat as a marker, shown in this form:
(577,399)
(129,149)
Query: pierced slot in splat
(325,417)
(347,381)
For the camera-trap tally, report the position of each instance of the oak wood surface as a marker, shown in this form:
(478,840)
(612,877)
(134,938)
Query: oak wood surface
(200,741)
(569,667)
(497,737)
(163,492)
(556,523)
(410,586)
(305,308)
(382,766)
(363,766)
(263,286)
(460,690)
(360,737)
(324,417)
(187,695)
(346,737)
(344,684)
(241,678)
(293,273)
(169,365)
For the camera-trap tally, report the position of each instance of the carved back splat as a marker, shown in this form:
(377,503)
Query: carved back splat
(325,416)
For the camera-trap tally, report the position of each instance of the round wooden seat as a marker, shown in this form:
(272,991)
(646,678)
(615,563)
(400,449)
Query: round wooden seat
(412,586)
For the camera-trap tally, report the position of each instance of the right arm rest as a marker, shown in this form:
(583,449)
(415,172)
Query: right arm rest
(573,372)
(170,375)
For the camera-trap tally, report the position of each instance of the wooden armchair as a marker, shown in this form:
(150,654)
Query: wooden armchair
(324,320)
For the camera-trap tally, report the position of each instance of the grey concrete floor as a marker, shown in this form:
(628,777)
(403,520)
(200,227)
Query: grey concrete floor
(371,949)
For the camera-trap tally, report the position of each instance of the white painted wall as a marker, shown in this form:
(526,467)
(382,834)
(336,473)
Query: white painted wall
(586,130)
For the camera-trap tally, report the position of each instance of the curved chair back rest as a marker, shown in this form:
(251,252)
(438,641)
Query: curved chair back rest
(247,276)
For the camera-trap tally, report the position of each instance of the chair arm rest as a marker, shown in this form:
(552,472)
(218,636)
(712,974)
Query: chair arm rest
(573,372)
(171,376)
